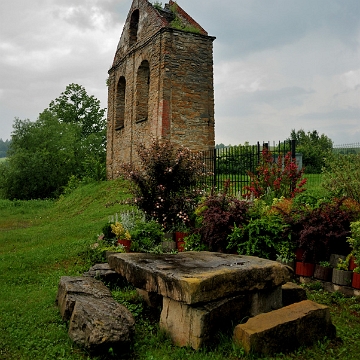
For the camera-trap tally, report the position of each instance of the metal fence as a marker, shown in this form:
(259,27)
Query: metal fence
(233,163)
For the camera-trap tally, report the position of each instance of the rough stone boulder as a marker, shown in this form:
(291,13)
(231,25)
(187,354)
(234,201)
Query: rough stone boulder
(71,288)
(198,277)
(98,324)
(96,320)
(285,329)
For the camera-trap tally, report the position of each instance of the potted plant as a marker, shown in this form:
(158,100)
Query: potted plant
(354,241)
(147,236)
(341,274)
(193,243)
(323,271)
(122,235)
(285,254)
(304,269)
(180,234)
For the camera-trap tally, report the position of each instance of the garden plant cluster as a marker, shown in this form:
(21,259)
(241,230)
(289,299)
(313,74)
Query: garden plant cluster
(276,218)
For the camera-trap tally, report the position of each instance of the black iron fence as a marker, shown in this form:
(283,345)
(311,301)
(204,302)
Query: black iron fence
(233,163)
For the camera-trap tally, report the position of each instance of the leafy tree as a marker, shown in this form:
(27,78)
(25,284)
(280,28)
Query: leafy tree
(68,140)
(313,147)
(41,158)
(75,106)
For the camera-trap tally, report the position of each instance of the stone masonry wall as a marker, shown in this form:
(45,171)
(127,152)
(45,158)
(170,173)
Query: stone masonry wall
(180,101)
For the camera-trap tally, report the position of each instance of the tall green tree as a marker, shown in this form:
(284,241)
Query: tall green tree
(313,147)
(68,139)
(75,106)
(40,158)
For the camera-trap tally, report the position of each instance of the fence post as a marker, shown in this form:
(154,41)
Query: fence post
(214,167)
(293,149)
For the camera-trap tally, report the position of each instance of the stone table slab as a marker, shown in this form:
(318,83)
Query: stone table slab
(197,277)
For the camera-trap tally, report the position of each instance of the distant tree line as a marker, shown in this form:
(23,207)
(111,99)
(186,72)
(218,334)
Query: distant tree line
(66,143)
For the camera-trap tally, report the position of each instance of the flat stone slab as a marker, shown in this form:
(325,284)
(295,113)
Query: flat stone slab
(195,277)
(283,330)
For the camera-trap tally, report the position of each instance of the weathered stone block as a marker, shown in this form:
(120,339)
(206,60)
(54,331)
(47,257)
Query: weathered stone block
(72,287)
(285,329)
(292,293)
(98,324)
(191,325)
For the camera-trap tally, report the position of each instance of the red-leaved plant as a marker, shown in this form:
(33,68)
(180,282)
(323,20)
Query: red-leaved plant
(322,230)
(218,214)
(282,178)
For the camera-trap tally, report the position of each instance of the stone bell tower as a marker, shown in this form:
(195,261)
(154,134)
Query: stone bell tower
(160,84)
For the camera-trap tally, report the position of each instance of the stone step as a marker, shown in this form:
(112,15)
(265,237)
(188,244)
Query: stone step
(285,329)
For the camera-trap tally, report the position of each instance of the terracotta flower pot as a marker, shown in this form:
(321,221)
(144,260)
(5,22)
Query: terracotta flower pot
(180,246)
(304,269)
(355,281)
(179,236)
(323,273)
(125,243)
(342,277)
(352,264)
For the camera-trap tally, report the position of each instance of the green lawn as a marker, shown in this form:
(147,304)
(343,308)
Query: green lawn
(40,241)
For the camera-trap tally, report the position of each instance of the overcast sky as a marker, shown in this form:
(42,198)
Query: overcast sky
(278,64)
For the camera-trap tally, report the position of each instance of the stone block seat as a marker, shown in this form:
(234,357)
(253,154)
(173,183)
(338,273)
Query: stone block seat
(285,329)
(204,291)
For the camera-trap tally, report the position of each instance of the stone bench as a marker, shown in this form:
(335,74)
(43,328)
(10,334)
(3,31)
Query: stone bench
(285,329)
(204,291)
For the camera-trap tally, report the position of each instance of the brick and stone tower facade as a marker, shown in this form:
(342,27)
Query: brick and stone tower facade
(160,84)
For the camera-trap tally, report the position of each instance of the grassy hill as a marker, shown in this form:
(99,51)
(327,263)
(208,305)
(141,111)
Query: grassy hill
(40,241)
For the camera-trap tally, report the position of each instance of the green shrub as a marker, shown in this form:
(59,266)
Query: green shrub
(165,183)
(341,175)
(354,240)
(262,236)
(146,236)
